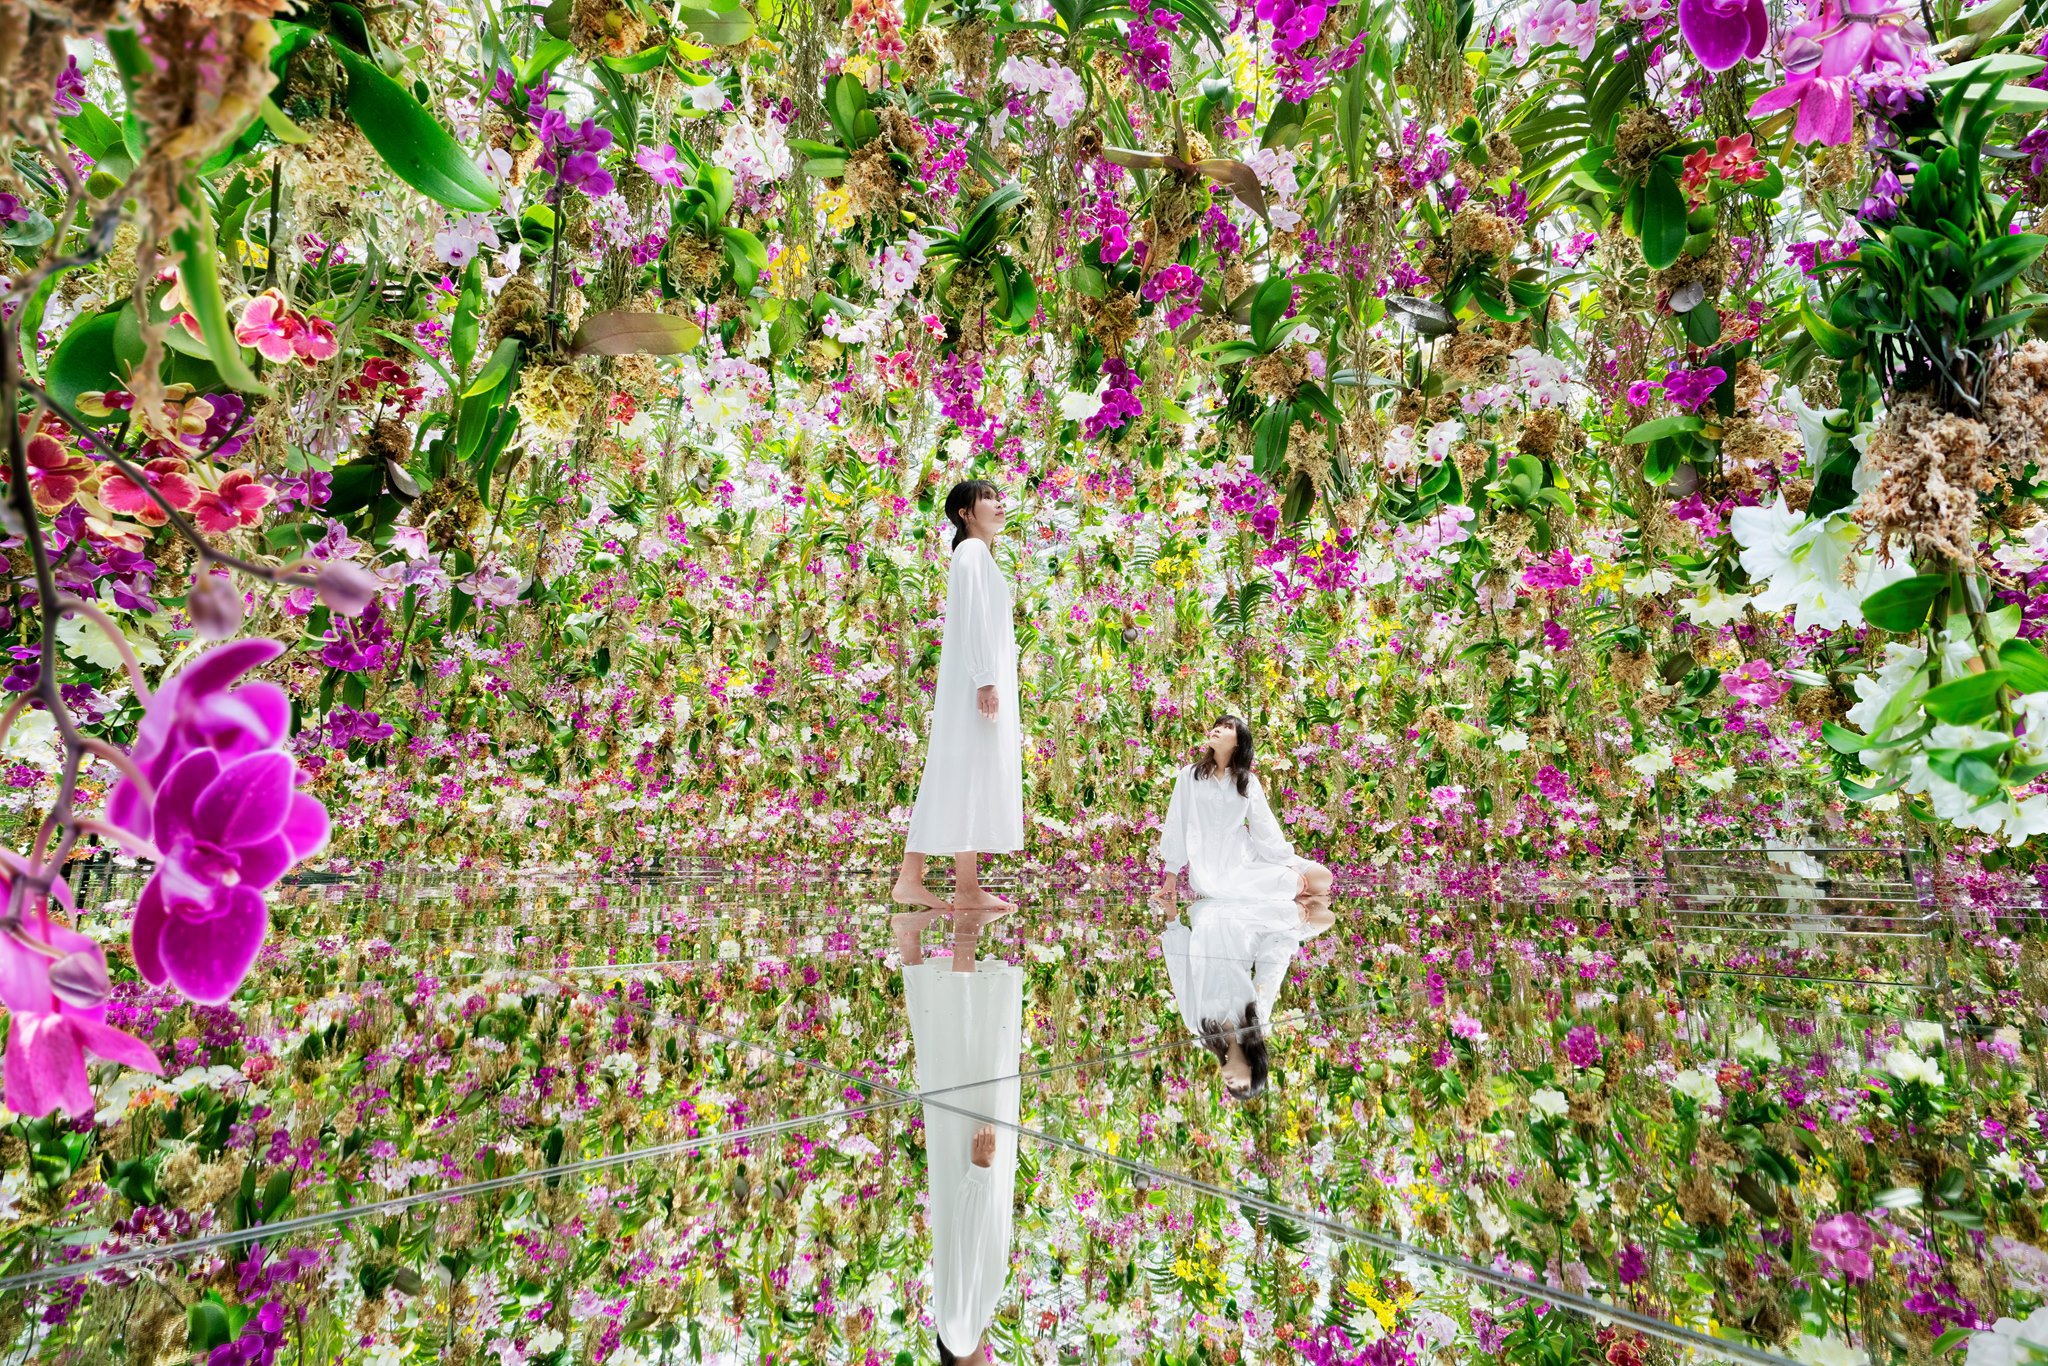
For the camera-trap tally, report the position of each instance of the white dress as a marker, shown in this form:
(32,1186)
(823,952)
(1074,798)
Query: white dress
(966,1029)
(1236,954)
(971,797)
(1230,845)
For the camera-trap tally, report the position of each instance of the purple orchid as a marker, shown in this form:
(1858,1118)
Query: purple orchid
(1831,55)
(1723,32)
(53,981)
(227,831)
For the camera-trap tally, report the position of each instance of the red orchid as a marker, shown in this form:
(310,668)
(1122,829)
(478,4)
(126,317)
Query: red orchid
(57,473)
(238,502)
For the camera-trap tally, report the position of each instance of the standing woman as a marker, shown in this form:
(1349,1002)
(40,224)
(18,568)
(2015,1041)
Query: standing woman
(971,799)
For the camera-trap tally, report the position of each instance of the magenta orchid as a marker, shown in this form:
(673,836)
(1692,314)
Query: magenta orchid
(53,981)
(225,819)
(227,831)
(1723,32)
(1828,57)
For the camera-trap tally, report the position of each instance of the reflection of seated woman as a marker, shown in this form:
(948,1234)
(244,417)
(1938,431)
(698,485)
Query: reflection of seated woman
(1227,971)
(965,1027)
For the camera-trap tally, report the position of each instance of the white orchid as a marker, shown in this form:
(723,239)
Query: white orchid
(1810,566)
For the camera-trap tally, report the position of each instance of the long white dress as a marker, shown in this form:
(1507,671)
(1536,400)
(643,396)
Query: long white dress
(971,797)
(1231,846)
(966,1028)
(1237,953)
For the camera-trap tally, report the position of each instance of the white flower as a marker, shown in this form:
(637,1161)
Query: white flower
(33,739)
(543,1342)
(1399,1057)
(1924,1033)
(2009,1342)
(1651,583)
(1510,741)
(84,640)
(1716,780)
(1698,1086)
(1549,1103)
(1810,565)
(1828,1351)
(1651,762)
(2005,1164)
(1907,1065)
(1709,608)
(1755,1043)
(1078,406)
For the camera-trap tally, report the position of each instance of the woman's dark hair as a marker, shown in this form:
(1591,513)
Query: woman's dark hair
(1240,755)
(947,1356)
(961,500)
(1250,1036)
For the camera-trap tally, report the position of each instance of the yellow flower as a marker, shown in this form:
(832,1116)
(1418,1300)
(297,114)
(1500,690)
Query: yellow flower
(789,263)
(837,207)
(252,253)
(1608,578)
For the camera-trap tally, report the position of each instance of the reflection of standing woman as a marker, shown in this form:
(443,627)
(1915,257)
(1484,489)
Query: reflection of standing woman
(966,1028)
(971,800)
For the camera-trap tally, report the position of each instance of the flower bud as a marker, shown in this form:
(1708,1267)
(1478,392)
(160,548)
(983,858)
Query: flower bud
(213,605)
(79,980)
(346,588)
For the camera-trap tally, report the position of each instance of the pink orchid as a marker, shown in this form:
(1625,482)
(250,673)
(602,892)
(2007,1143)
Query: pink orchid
(239,502)
(167,475)
(270,327)
(1827,57)
(57,1005)
(316,341)
(661,165)
(1723,32)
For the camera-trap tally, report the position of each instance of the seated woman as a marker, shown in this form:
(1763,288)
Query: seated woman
(1221,830)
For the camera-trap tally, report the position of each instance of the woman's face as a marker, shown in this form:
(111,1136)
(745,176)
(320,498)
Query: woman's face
(1221,741)
(1237,1070)
(987,517)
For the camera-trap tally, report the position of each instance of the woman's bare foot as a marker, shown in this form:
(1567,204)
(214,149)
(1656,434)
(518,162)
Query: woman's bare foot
(909,927)
(975,899)
(906,893)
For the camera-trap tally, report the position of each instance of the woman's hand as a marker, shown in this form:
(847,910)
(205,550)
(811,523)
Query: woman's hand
(985,702)
(985,1145)
(1168,890)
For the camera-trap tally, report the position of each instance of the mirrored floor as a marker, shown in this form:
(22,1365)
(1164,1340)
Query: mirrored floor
(707,1120)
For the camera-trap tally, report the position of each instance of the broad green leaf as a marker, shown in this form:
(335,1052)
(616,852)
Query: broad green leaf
(1902,607)
(2028,666)
(1657,428)
(1268,307)
(1969,698)
(412,142)
(1664,215)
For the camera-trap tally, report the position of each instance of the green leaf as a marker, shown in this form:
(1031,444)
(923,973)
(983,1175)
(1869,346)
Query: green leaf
(1269,440)
(1842,740)
(496,369)
(1902,607)
(1591,171)
(192,244)
(206,1326)
(462,330)
(1834,342)
(1702,324)
(1269,306)
(1969,698)
(1661,427)
(2027,665)
(412,142)
(87,358)
(1661,461)
(1664,215)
